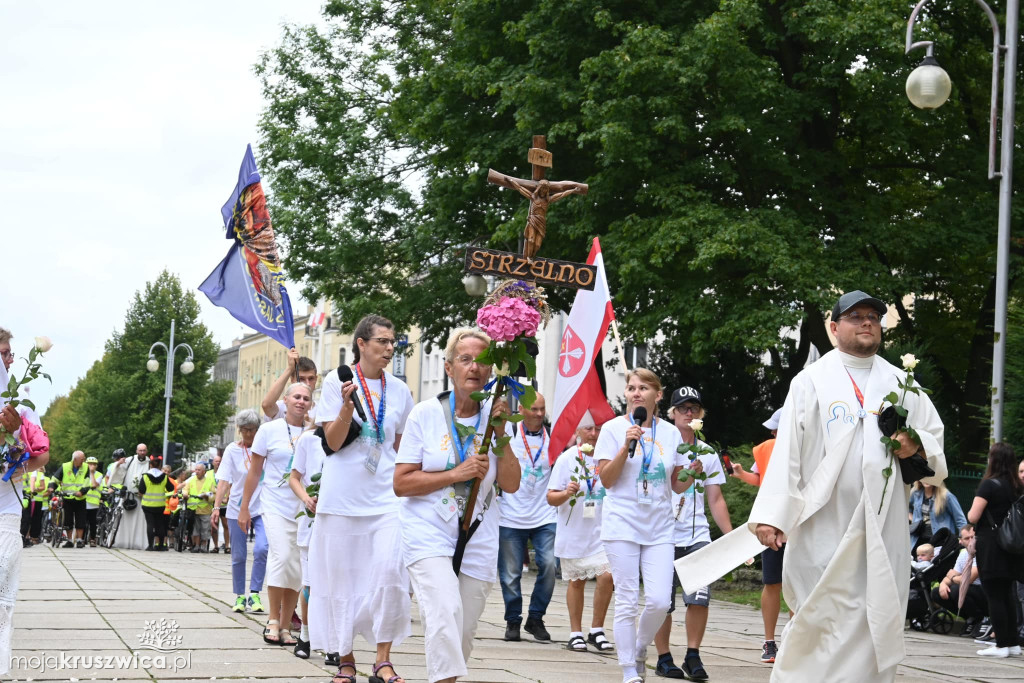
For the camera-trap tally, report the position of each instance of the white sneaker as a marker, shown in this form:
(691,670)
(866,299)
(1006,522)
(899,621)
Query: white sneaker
(995,652)
(1015,651)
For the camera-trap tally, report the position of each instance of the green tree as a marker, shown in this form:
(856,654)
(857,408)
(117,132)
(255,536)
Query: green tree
(119,403)
(747,162)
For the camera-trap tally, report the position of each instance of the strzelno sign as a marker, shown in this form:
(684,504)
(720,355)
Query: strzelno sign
(537,269)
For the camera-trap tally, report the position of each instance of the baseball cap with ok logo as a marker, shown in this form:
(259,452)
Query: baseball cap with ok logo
(684,394)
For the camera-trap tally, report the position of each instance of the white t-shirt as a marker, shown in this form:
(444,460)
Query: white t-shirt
(276,442)
(624,518)
(10,502)
(234,468)
(577,535)
(309,460)
(528,507)
(425,533)
(348,487)
(690,529)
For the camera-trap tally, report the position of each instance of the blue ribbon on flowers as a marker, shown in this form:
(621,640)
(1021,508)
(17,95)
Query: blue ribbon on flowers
(14,465)
(515,388)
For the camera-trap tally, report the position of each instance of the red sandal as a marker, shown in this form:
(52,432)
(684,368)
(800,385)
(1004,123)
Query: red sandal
(377,679)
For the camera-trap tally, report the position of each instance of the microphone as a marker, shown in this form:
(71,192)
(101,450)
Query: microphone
(345,375)
(639,417)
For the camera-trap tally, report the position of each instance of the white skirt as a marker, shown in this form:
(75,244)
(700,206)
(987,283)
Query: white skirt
(283,567)
(358,583)
(585,568)
(10,574)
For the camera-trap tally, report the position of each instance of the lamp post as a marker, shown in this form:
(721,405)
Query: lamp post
(186,368)
(928,87)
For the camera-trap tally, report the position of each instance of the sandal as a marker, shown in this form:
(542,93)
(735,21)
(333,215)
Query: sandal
(379,679)
(276,633)
(345,678)
(599,641)
(576,644)
(286,634)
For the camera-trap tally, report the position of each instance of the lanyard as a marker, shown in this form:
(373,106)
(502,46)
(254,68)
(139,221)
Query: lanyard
(586,472)
(462,446)
(247,456)
(856,390)
(543,439)
(648,454)
(378,418)
(291,442)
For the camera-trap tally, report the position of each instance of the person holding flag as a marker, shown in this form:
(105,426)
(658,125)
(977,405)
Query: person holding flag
(526,517)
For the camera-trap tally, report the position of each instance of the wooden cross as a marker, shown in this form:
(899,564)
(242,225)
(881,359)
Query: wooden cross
(541,192)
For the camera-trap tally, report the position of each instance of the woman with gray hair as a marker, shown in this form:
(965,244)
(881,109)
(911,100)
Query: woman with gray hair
(230,476)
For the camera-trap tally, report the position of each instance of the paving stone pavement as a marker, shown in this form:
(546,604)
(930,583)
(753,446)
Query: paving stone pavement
(94,603)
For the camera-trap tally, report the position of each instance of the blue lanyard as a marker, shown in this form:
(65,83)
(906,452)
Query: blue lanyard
(586,472)
(378,418)
(648,454)
(462,446)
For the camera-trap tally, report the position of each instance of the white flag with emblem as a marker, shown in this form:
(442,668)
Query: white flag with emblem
(577,386)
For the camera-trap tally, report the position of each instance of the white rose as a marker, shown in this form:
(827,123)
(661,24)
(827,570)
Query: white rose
(587,448)
(909,361)
(697,424)
(43,344)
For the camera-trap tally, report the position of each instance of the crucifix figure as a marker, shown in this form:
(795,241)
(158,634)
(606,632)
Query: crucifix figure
(542,193)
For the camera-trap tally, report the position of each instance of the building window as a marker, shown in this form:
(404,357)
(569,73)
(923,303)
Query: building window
(341,356)
(636,356)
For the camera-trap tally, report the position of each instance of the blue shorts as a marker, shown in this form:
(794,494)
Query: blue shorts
(702,596)
(771,565)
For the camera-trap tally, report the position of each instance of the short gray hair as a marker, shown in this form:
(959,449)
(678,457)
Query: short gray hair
(458,335)
(5,335)
(247,419)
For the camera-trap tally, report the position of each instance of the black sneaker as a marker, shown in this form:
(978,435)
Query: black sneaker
(301,648)
(535,627)
(80,544)
(768,651)
(332,659)
(68,544)
(693,669)
(667,668)
(512,632)
(970,628)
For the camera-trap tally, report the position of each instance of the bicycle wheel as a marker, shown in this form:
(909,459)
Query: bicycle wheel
(115,523)
(58,529)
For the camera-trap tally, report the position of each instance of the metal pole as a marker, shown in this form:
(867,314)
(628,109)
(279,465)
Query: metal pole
(1005,195)
(168,380)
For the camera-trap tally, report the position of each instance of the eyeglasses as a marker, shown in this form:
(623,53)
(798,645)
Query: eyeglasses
(383,341)
(466,360)
(7,354)
(688,409)
(857,318)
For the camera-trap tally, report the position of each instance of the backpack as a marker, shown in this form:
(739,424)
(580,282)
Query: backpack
(1010,534)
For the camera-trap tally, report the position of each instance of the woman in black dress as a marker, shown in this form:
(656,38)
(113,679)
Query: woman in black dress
(998,490)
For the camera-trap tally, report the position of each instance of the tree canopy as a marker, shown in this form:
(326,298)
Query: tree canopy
(747,160)
(119,403)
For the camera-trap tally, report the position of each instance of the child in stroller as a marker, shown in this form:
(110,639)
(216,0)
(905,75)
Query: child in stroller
(923,613)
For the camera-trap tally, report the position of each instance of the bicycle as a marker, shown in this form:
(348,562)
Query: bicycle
(186,521)
(115,517)
(104,515)
(58,519)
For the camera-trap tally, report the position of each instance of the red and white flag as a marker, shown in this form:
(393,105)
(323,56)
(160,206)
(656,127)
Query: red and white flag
(577,387)
(316,318)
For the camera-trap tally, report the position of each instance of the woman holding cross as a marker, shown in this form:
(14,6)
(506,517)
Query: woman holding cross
(435,469)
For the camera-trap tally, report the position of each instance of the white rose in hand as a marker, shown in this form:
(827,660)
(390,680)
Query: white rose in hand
(43,344)
(909,361)
(697,424)
(586,448)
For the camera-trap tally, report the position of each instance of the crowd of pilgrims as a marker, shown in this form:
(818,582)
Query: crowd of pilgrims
(352,516)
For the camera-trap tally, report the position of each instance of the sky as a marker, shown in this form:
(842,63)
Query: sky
(122,127)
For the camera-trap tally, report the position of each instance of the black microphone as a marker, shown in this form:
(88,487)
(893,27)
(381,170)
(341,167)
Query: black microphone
(639,417)
(345,375)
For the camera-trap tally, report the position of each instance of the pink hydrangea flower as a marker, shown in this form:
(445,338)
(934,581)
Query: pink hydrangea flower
(508,319)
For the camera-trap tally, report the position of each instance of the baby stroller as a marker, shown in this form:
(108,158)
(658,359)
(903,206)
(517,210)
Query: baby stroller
(924,614)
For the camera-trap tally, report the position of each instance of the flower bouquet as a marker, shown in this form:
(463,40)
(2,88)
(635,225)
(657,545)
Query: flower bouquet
(893,420)
(14,452)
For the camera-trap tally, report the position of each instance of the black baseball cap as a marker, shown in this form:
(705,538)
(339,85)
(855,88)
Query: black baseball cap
(855,298)
(684,394)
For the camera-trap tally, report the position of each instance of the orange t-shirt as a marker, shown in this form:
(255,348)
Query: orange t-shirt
(762,453)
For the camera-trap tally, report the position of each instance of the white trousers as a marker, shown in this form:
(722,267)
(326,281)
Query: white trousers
(628,560)
(10,575)
(450,609)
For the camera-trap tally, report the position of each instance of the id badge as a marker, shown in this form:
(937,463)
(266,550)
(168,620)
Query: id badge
(645,492)
(373,457)
(589,509)
(447,506)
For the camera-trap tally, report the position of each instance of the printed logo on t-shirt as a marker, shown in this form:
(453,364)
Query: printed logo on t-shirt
(453,458)
(656,476)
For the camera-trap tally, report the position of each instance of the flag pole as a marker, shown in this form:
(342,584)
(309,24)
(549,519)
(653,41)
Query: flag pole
(618,345)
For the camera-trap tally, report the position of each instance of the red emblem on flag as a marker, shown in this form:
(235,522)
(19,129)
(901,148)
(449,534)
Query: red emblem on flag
(572,354)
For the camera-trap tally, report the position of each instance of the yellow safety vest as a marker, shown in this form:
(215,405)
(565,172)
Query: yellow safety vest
(34,480)
(155,495)
(24,485)
(93,496)
(73,484)
(195,488)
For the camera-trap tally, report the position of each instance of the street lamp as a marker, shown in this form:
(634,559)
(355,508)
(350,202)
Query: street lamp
(475,284)
(925,89)
(186,369)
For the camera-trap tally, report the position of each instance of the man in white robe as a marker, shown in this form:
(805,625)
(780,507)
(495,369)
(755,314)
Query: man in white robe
(131,534)
(847,566)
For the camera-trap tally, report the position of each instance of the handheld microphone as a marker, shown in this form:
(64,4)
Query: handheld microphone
(345,375)
(639,417)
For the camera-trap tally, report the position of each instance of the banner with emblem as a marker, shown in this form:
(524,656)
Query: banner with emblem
(577,386)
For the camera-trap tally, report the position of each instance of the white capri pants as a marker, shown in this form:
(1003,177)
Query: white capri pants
(628,560)
(10,576)
(449,624)
(284,569)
